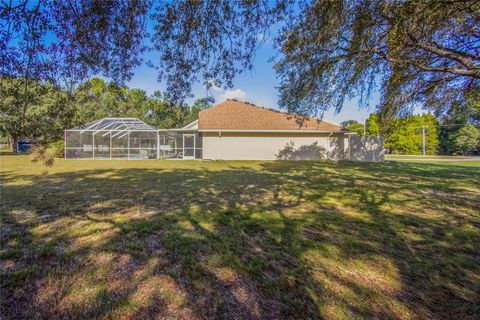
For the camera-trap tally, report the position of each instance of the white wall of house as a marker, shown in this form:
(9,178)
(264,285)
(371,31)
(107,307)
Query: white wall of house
(274,146)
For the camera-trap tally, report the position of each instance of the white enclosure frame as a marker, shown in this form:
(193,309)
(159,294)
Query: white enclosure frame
(193,148)
(172,144)
(112,138)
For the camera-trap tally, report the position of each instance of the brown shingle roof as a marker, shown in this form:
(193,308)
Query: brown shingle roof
(237,115)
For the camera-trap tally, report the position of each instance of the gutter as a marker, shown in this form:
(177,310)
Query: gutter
(270,131)
(178,130)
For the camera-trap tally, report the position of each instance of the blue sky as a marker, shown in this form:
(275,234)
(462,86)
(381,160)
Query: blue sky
(257,86)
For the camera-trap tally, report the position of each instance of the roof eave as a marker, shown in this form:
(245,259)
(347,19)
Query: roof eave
(178,130)
(273,131)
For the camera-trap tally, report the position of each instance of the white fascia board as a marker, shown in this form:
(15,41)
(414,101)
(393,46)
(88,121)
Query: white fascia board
(178,130)
(113,130)
(192,125)
(272,131)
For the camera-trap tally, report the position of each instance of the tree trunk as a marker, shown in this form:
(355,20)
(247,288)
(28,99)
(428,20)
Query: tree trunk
(13,143)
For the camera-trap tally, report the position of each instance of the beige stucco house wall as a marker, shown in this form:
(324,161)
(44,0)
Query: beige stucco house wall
(235,130)
(274,146)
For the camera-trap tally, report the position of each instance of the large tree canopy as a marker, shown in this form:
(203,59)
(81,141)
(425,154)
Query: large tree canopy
(210,41)
(416,52)
(42,110)
(67,41)
(419,52)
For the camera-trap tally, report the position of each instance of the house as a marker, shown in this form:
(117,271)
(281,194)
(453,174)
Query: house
(232,130)
(235,130)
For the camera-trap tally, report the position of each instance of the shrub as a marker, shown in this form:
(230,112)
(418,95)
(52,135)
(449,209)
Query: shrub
(43,154)
(57,148)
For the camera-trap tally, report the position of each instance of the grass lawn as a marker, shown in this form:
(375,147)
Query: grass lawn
(239,240)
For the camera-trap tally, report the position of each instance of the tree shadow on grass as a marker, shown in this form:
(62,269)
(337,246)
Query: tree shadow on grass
(292,240)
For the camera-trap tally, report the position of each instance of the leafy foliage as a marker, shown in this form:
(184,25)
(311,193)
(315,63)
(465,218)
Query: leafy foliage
(372,126)
(30,110)
(48,45)
(69,40)
(43,154)
(420,52)
(466,139)
(461,116)
(42,111)
(354,125)
(405,135)
(402,135)
(97,99)
(211,41)
(57,148)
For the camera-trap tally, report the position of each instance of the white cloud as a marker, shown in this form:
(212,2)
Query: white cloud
(234,94)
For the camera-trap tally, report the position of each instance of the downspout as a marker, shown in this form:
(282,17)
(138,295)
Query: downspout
(219,144)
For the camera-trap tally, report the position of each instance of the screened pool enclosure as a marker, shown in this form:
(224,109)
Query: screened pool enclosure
(130,138)
(112,138)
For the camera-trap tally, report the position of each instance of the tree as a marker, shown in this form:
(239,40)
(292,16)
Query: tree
(460,116)
(420,52)
(97,99)
(41,111)
(209,41)
(15,118)
(198,105)
(62,43)
(69,40)
(405,135)
(49,109)
(353,125)
(373,125)
(417,52)
(162,113)
(466,139)
(331,50)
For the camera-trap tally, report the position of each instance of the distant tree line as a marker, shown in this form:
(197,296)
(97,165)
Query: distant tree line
(457,133)
(41,111)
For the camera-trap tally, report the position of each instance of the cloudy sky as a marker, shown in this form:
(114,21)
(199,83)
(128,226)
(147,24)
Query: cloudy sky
(257,86)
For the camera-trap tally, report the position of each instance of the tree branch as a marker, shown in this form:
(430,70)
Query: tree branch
(475,73)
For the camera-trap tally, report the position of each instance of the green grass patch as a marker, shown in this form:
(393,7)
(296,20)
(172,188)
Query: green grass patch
(239,239)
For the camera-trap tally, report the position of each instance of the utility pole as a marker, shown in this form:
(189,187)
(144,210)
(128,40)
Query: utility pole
(423,140)
(364,127)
